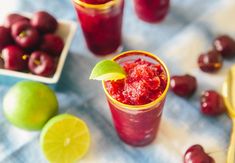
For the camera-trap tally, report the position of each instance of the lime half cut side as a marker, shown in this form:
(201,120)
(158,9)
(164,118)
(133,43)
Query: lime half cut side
(65,139)
(107,70)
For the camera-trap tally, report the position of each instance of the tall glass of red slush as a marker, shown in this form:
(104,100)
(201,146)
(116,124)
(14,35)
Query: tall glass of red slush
(137,102)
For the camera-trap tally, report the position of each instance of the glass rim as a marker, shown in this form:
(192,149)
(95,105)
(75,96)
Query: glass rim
(103,6)
(148,105)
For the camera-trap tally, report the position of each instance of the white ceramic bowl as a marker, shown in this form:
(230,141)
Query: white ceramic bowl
(66,30)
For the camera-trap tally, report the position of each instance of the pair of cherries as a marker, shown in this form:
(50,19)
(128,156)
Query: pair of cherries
(211,101)
(212,61)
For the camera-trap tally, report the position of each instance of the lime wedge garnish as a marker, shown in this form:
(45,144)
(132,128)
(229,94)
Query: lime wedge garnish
(107,70)
(64,139)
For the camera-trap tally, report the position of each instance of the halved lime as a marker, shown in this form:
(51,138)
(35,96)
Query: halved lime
(65,139)
(107,70)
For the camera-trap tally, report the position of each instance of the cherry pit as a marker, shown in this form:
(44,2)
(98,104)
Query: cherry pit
(30,45)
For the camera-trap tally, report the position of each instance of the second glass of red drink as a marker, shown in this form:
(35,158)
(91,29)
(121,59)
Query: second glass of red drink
(151,11)
(101,23)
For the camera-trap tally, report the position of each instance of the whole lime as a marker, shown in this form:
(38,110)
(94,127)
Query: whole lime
(29,105)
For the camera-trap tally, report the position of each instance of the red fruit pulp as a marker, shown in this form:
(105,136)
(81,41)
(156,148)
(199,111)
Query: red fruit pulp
(13,18)
(101,27)
(151,11)
(145,83)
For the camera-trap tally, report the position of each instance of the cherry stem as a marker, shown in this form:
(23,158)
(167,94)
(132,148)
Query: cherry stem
(23,34)
(37,62)
(216,65)
(1,61)
(1,58)
(25,56)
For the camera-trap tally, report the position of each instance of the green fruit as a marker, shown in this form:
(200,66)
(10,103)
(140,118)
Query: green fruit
(107,70)
(65,139)
(29,105)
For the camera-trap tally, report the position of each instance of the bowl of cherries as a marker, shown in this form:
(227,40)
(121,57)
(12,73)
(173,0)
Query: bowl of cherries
(34,47)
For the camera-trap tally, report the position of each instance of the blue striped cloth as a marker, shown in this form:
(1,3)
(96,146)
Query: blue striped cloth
(188,30)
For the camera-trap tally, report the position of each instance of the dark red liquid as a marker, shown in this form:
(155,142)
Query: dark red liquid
(96,1)
(151,11)
(102,28)
(137,128)
(145,83)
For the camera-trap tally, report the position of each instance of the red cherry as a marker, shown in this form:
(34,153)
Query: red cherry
(44,22)
(225,45)
(52,44)
(25,35)
(210,62)
(13,18)
(212,103)
(14,58)
(40,63)
(196,154)
(184,85)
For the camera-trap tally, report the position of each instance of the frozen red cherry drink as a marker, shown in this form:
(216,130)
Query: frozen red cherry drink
(151,11)
(101,23)
(136,102)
